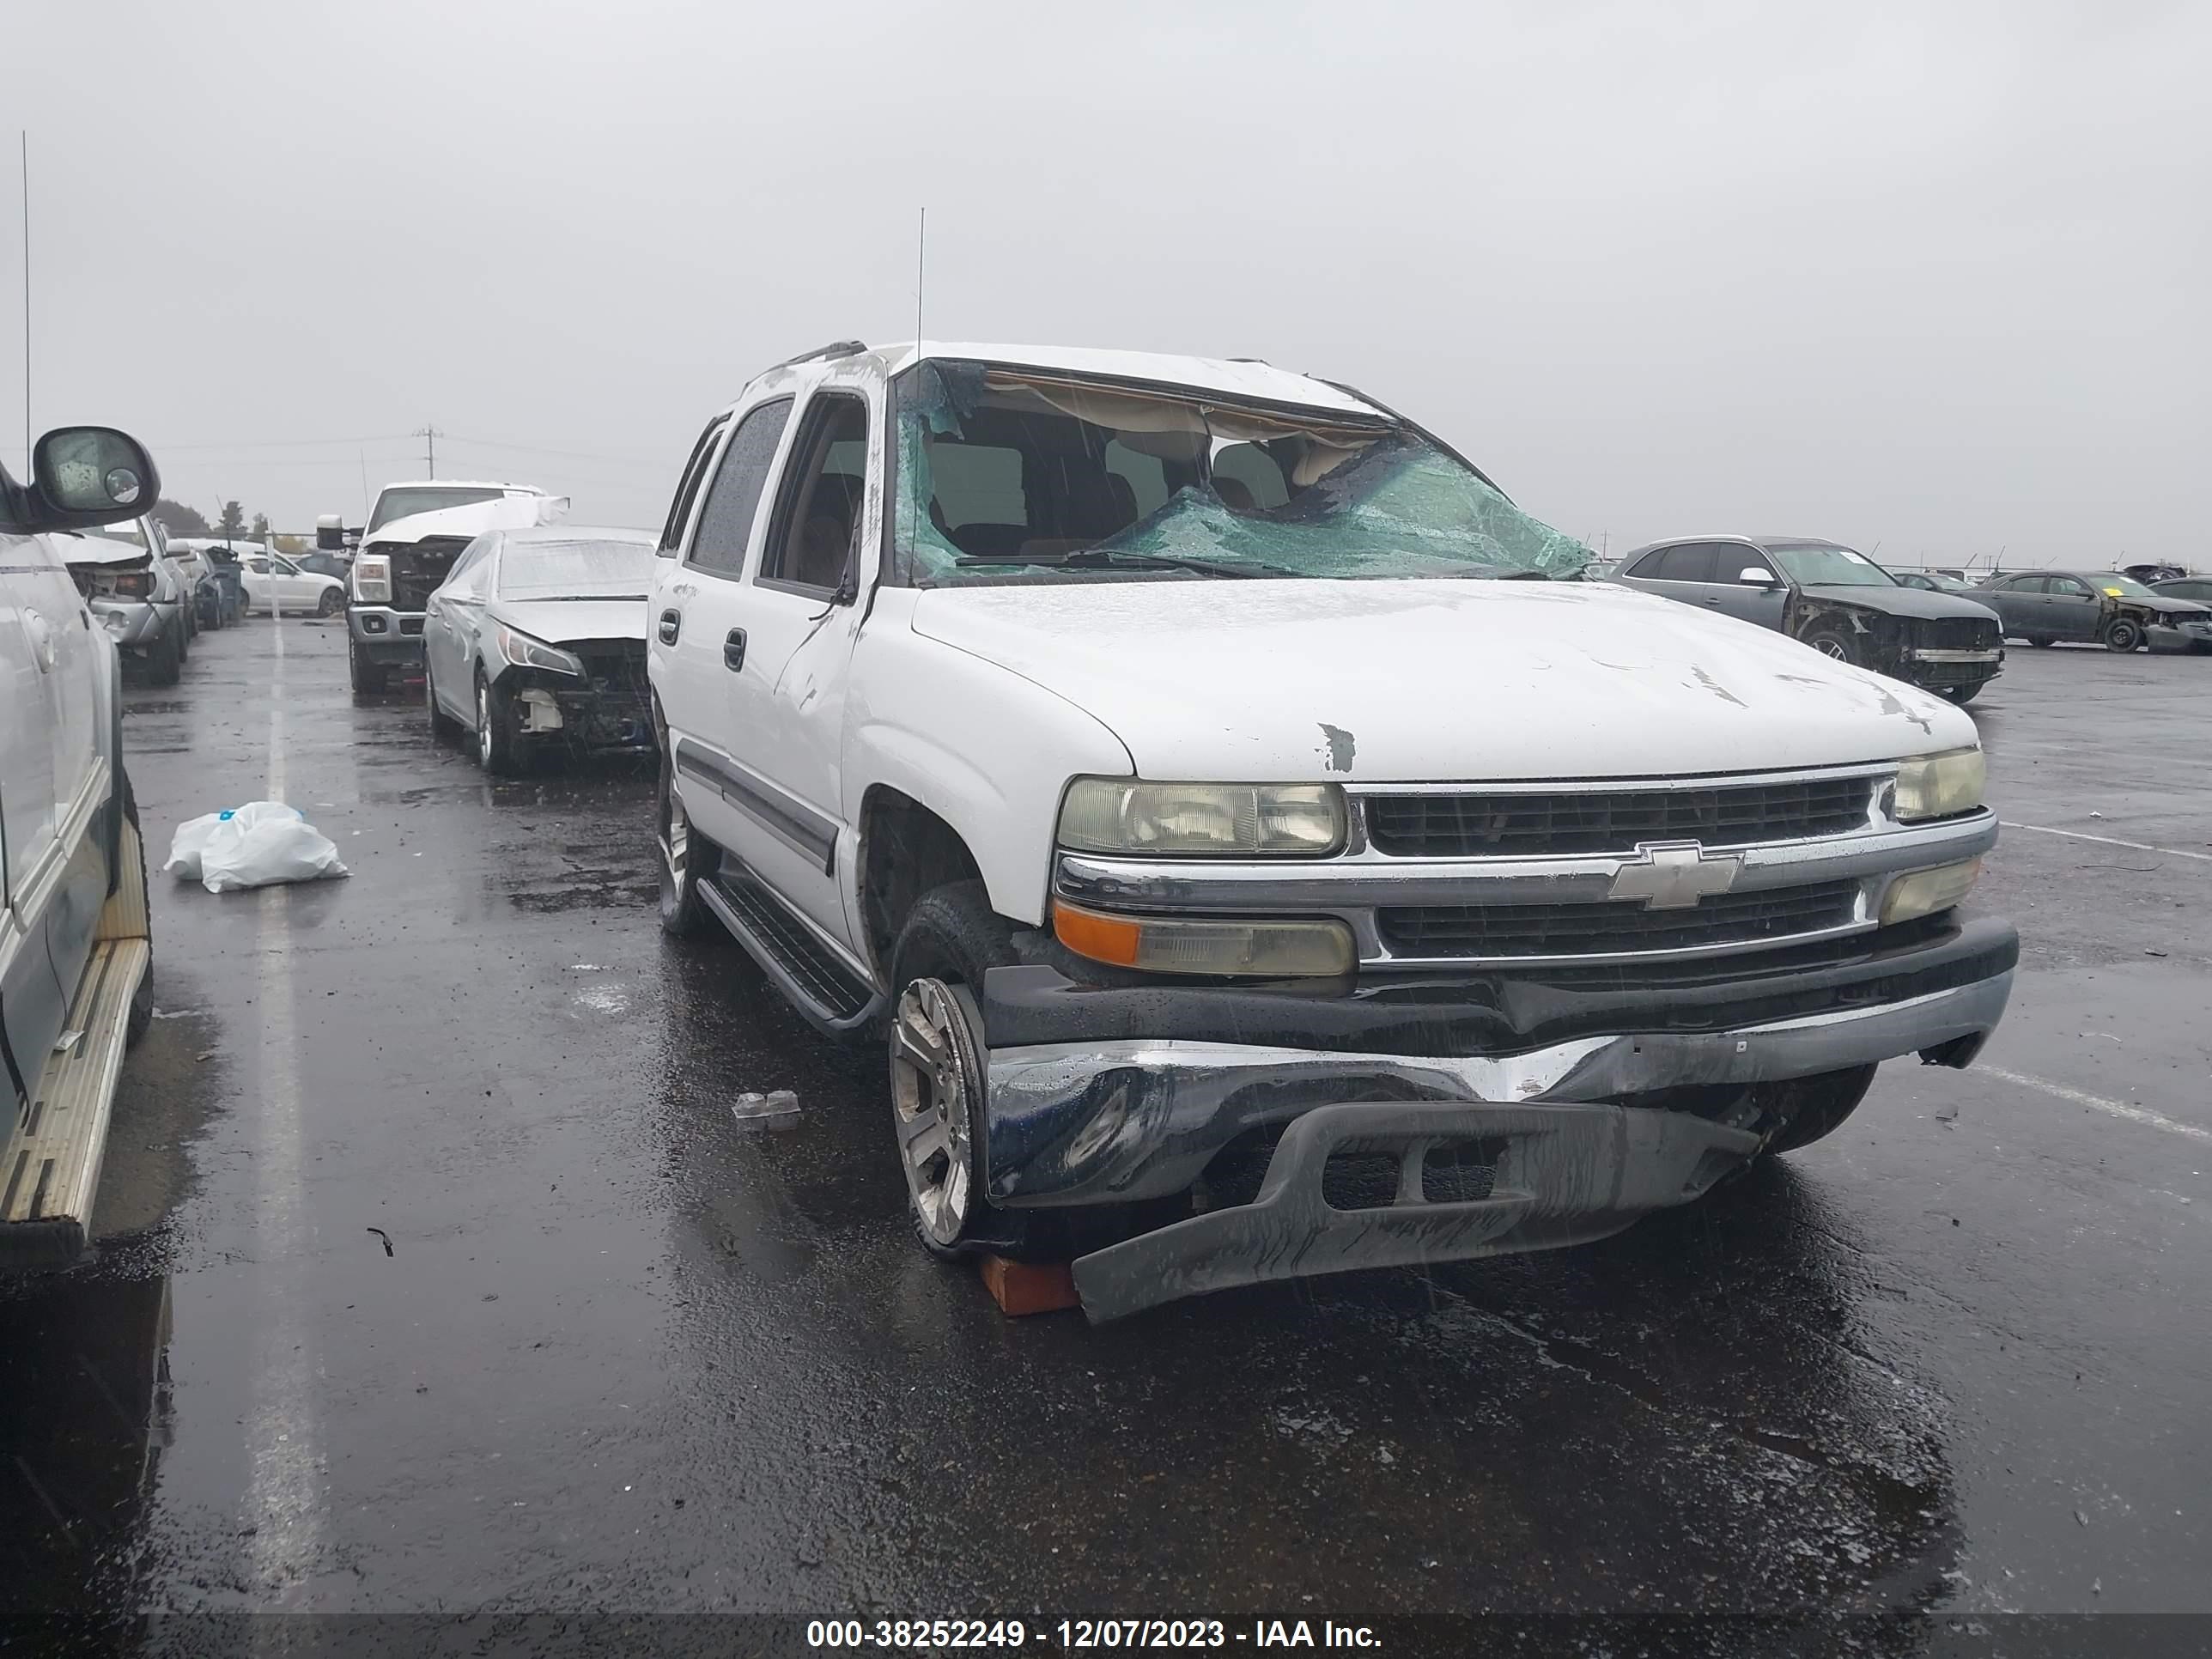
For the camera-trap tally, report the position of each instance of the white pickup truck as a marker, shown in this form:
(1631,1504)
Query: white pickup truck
(1263,853)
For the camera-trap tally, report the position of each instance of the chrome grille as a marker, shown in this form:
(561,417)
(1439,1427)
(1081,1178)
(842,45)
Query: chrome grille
(1612,820)
(1612,927)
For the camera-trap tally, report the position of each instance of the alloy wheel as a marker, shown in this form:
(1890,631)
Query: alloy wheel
(931,1087)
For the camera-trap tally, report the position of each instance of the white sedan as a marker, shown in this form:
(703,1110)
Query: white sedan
(272,580)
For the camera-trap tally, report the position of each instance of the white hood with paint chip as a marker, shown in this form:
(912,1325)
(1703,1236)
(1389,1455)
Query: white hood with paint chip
(1441,681)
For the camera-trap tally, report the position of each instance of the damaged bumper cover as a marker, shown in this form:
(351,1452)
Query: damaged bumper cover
(603,716)
(1098,1095)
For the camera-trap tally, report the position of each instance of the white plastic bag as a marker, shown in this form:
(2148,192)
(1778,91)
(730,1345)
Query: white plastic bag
(188,844)
(255,845)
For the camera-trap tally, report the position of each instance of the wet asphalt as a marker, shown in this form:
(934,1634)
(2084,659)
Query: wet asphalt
(621,1354)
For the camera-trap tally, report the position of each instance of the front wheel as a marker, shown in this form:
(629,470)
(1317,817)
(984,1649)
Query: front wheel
(164,663)
(2122,634)
(366,678)
(330,604)
(1809,1107)
(499,746)
(1834,643)
(1963,695)
(936,1054)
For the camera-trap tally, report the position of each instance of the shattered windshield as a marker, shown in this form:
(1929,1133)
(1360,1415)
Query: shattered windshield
(1008,475)
(1820,564)
(575,570)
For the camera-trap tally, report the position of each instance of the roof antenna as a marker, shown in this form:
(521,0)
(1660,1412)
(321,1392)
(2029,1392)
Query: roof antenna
(920,267)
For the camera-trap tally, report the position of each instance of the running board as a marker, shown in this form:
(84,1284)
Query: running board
(819,985)
(50,1167)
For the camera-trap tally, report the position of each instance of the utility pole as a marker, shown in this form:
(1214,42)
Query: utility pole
(26,303)
(430,434)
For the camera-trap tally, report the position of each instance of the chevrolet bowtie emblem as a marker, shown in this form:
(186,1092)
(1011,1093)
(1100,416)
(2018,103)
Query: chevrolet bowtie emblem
(1674,875)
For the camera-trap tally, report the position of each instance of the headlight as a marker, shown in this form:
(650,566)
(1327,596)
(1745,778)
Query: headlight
(1940,786)
(1258,950)
(527,652)
(372,579)
(1925,892)
(1222,820)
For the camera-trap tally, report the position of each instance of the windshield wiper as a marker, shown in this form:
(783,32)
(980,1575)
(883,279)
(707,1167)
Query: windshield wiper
(1099,558)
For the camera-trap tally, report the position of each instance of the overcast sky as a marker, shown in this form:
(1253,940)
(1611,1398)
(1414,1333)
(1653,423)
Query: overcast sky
(1929,275)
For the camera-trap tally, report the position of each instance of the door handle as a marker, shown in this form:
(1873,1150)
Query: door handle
(1712,601)
(671,623)
(733,650)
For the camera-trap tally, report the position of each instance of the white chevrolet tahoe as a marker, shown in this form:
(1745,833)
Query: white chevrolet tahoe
(1262,853)
(74,943)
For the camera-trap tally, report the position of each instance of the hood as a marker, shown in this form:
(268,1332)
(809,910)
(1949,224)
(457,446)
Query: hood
(564,621)
(509,512)
(2171,607)
(104,553)
(1445,680)
(1904,601)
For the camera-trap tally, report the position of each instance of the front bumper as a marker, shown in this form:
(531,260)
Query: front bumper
(1941,667)
(386,636)
(1105,1095)
(2187,636)
(556,710)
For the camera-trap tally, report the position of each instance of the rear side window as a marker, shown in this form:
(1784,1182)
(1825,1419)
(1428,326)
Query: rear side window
(1691,562)
(725,523)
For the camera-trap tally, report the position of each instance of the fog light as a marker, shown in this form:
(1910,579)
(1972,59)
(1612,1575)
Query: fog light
(1258,950)
(1925,892)
(372,624)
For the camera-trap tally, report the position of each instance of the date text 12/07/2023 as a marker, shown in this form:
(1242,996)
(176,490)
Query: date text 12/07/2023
(1078,1634)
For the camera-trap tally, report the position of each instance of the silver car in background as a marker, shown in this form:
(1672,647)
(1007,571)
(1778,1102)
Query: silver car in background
(135,592)
(536,639)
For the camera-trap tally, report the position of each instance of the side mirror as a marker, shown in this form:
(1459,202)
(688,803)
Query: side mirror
(84,476)
(1753,575)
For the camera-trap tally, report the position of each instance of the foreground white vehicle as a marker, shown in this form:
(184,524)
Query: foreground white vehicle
(1267,858)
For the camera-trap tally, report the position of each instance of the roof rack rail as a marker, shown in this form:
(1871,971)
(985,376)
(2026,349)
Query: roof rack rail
(834,349)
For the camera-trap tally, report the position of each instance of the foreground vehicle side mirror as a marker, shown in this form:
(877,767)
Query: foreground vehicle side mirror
(84,476)
(1752,576)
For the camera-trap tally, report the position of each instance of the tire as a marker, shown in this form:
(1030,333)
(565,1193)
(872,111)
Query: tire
(332,602)
(499,746)
(141,1018)
(444,728)
(935,1051)
(1831,641)
(2123,635)
(687,858)
(165,664)
(1811,1106)
(2044,640)
(1963,695)
(366,678)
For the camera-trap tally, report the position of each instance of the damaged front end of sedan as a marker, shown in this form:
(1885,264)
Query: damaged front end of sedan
(586,695)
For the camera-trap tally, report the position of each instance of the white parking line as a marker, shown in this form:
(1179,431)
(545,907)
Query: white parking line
(284,1442)
(2108,840)
(2098,1102)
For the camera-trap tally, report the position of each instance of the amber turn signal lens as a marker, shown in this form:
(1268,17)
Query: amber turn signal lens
(1102,938)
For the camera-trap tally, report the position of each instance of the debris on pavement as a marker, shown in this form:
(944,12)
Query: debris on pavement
(256,845)
(776,1109)
(385,1236)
